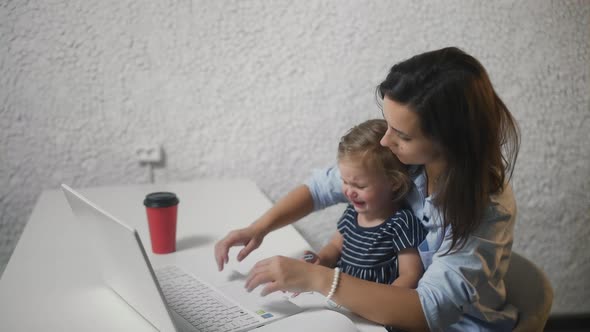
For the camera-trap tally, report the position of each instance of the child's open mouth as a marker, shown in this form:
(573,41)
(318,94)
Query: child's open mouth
(358,204)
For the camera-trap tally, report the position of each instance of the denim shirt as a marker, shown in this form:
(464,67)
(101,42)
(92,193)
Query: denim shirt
(463,290)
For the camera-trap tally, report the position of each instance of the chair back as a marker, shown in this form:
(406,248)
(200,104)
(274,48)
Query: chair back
(529,290)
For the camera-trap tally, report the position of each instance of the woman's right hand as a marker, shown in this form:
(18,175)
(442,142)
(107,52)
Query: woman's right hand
(295,205)
(250,237)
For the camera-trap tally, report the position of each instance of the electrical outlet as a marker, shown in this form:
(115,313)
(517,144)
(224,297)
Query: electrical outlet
(149,153)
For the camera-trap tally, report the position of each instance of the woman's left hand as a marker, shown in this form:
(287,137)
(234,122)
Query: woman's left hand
(285,274)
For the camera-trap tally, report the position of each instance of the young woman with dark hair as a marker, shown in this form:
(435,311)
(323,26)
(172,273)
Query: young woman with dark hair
(446,121)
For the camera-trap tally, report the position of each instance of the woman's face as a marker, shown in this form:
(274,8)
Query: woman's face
(404,137)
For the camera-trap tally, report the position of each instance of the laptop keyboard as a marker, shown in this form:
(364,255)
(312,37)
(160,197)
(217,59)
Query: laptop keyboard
(199,304)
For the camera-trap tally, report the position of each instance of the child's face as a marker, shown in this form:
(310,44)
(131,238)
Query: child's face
(369,192)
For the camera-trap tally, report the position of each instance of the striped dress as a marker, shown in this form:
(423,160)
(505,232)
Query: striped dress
(371,253)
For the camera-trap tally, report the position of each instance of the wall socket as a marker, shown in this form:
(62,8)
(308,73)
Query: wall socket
(149,153)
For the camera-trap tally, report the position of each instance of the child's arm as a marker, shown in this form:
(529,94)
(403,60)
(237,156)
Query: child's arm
(410,268)
(330,253)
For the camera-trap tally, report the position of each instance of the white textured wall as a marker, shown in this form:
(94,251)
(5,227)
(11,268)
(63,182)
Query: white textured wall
(264,89)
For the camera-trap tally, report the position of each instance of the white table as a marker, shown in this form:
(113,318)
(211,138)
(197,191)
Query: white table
(51,282)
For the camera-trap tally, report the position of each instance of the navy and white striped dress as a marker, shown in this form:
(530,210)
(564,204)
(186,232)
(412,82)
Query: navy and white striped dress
(370,253)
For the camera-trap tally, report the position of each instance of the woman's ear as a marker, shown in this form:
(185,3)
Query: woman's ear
(395,185)
(400,185)
(395,180)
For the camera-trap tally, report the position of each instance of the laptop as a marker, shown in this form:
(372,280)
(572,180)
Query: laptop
(169,298)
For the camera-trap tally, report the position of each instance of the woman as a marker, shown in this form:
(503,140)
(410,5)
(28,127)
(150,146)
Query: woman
(445,118)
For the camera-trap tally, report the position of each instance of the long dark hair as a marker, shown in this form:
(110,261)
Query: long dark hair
(459,111)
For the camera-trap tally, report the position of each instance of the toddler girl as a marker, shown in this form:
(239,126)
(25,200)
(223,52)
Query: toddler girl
(377,236)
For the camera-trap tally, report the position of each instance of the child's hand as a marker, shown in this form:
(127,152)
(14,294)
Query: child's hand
(311,257)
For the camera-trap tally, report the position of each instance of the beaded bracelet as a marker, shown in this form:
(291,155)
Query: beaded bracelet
(334,283)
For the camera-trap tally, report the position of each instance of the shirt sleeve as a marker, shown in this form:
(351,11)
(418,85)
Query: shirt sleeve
(325,186)
(468,280)
(405,230)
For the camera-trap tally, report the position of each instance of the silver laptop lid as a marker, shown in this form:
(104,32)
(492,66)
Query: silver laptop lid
(122,260)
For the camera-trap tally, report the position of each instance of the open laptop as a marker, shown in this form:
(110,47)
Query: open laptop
(169,298)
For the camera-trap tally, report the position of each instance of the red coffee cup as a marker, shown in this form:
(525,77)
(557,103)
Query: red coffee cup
(161,208)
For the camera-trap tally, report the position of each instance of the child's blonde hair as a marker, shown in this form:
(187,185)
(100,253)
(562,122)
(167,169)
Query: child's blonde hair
(362,143)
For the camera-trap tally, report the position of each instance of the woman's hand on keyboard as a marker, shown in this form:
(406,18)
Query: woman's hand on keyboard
(309,257)
(288,274)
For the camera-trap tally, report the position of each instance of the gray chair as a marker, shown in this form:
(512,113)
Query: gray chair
(529,290)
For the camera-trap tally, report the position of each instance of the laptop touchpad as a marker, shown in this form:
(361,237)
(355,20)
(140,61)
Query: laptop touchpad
(277,303)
